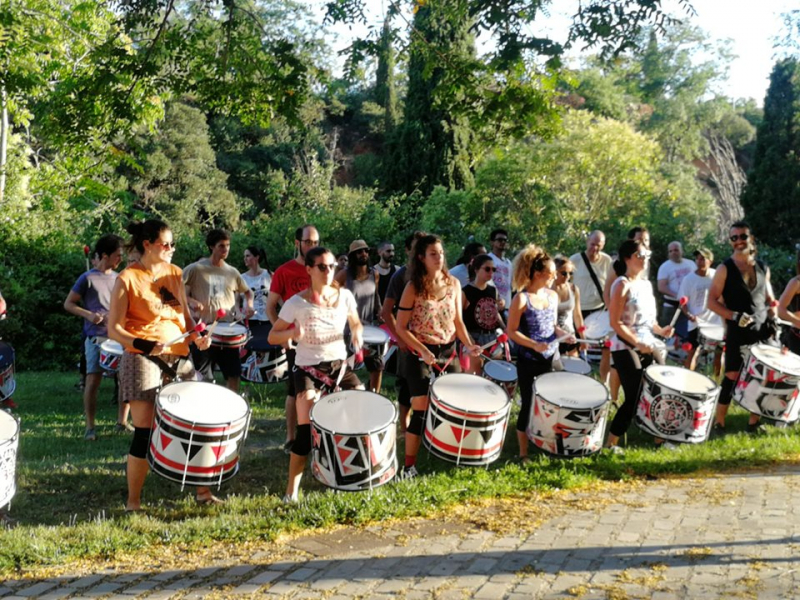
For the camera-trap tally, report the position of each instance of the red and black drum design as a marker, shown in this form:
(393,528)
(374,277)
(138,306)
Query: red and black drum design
(768,383)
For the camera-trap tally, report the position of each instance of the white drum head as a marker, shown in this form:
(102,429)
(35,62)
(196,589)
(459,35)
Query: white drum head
(570,390)
(469,393)
(500,370)
(353,412)
(597,326)
(788,364)
(9,427)
(230,329)
(375,336)
(573,364)
(202,403)
(112,347)
(680,379)
(712,332)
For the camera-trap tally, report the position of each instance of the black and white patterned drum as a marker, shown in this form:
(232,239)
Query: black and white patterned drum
(353,440)
(503,373)
(573,364)
(676,404)
(9,442)
(7,382)
(266,366)
(568,414)
(710,335)
(229,335)
(198,431)
(768,383)
(467,419)
(376,342)
(598,327)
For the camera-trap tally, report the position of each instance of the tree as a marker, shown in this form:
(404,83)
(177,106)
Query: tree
(772,194)
(385,86)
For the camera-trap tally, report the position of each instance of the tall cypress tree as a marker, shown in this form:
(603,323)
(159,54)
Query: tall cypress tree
(772,196)
(433,145)
(385,89)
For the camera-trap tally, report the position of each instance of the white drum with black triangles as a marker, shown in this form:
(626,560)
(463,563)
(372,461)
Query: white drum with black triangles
(768,383)
(198,432)
(353,440)
(676,404)
(568,414)
(9,443)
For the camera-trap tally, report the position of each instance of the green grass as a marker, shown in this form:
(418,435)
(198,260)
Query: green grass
(70,493)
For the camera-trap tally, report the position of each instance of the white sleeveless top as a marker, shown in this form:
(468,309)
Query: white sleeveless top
(639,312)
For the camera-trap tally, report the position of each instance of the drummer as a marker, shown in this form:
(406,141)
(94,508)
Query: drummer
(694,287)
(93,291)
(362,283)
(149,308)
(211,284)
(632,315)
(532,325)
(315,319)
(428,321)
(741,294)
(481,306)
(258,279)
(570,318)
(789,310)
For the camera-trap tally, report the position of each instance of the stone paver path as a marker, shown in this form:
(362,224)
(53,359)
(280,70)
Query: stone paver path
(735,535)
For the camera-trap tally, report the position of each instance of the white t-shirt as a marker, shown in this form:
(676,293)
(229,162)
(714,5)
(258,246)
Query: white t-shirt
(674,273)
(461,272)
(590,298)
(695,288)
(323,338)
(502,278)
(259,285)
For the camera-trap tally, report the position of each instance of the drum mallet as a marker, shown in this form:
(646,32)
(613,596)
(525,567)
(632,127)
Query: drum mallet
(681,303)
(86,251)
(199,328)
(221,312)
(502,338)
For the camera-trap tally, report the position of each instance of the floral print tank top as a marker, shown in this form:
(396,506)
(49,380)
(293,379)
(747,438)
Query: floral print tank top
(434,321)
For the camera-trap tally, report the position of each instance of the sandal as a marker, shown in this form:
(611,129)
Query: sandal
(208,500)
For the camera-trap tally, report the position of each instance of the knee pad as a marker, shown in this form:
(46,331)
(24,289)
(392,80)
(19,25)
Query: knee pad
(302,443)
(417,423)
(140,442)
(726,391)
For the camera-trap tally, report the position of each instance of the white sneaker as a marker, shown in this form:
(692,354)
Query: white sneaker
(409,472)
(669,446)
(287,499)
(615,450)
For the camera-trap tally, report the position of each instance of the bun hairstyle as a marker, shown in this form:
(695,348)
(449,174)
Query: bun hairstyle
(530,260)
(627,249)
(108,244)
(562,261)
(477,263)
(143,231)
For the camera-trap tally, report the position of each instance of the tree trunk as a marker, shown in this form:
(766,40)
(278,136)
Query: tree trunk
(726,180)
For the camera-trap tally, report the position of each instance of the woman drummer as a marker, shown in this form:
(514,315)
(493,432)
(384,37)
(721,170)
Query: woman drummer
(428,321)
(789,310)
(532,325)
(148,309)
(479,300)
(258,280)
(570,318)
(315,319)
(632,315)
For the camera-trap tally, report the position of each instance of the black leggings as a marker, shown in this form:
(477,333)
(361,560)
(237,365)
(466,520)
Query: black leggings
(630,365)
(527,370)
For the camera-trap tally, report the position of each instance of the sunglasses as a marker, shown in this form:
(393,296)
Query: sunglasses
(742,236)
(490,269)
(644,254)
(325,267)
(310,242)
(169,245)
(566,274)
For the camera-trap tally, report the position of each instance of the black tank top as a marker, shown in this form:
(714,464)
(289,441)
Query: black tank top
(740,298)
(481,314)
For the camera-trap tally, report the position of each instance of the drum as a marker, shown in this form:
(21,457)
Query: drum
(375,341)
(710,335)
(7,382)
(503,373)
(353,440)
(768,383)
(598,327)
(9,442)
(269,366)
(572,364)
(229,335)
(467,419)
(676,404)
(198,432)
(568,414)
(110,355)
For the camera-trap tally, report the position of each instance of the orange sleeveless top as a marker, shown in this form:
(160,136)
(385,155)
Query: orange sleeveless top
(154,309)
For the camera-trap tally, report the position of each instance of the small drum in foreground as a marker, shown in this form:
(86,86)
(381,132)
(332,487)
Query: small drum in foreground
(568,414)
(598,327)
(198,432)
(229,335)
(353,440)
(503,373)
(768,383)
(9,442)
(467,419)
(573,364)
(375,343)
(676,404)
(269,366)
(7,382)
(710,336)
(110,355)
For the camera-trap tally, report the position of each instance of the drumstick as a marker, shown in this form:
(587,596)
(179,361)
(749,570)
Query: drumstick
(86,251)
(681,303)
(199,328)
(502,338)
(221,312)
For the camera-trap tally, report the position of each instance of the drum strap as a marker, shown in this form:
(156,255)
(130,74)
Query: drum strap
(593,275)
(168,371)
(317,374)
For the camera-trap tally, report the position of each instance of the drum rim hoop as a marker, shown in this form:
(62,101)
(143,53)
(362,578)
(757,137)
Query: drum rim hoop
(395,414)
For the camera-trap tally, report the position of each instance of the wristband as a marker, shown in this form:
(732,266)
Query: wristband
(144,346)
